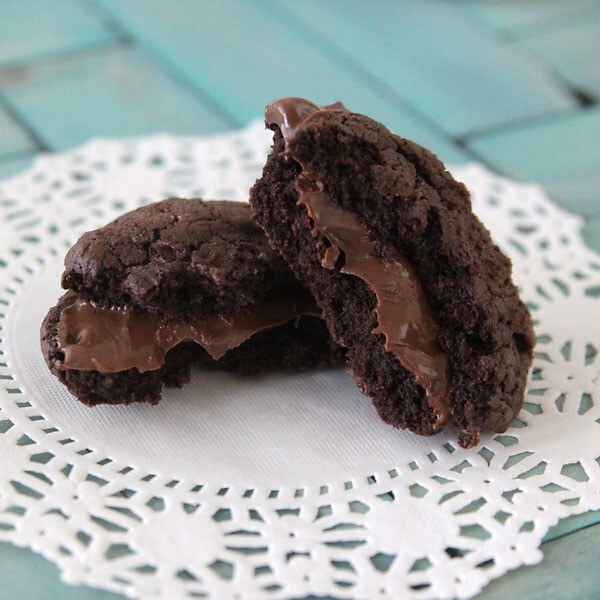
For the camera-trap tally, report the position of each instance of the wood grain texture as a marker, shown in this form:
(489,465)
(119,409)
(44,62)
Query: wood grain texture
(246,58)
(573,51)
(430,55)
(591,232)
(549,150)
(569,571)
(11,165)
(30,28)
(12,137)
(119,92)
(571,524)
(579,193)
(28,576)
(517,17)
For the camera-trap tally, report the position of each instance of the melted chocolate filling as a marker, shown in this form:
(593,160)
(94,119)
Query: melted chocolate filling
(403,313)
(95,338)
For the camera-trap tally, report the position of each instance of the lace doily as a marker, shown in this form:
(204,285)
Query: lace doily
(281,486)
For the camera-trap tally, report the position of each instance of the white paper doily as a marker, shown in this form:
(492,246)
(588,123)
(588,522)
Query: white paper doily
(281,486)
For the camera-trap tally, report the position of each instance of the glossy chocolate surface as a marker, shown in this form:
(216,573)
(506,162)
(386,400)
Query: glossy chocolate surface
(290,113)
(110,340)
(403,313)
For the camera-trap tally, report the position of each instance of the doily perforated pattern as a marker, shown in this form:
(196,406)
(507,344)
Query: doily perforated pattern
(219,491)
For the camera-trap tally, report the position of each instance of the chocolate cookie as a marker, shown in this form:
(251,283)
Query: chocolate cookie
(407,278)
(177,283)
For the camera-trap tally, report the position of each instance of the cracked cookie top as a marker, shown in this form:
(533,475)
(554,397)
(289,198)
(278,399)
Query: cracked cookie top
(179,257)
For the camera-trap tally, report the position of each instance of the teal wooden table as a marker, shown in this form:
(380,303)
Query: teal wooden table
(513,84)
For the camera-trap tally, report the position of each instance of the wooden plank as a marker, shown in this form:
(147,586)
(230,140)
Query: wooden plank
(434,58)
(573,52)
(580,193)
(32,28)
(28,575)
(518,17)
(13,138)
(13,165)
(114,93)
(553,150)
(573,523)
(244,58)
(569,571)
(591,233)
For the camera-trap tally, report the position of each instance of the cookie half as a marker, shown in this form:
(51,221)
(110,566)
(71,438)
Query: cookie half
(172,284)
(408,279)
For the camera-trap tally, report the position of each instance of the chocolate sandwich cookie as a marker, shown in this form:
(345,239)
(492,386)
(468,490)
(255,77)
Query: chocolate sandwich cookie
(172,284)
(408,279)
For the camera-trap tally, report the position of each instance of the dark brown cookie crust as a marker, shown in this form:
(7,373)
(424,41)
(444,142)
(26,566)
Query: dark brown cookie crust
(301,344)
(407,200)
(178,257)
(184,258)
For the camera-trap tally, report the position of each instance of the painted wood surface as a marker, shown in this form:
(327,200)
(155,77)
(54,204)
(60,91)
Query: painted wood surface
(455,74)
(562,150)
(28,576)
(573,52)
(117,92)
(247,57)
(517,18)
(14,164)
(513,83)
(14,139)
(569,571)
(32,28)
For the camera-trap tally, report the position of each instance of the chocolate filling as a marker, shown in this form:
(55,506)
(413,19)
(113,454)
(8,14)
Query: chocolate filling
(109,340)
(403,313)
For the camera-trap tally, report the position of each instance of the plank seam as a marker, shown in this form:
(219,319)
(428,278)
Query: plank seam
(33,134)
(17,154)
(162,63)
(345,61)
